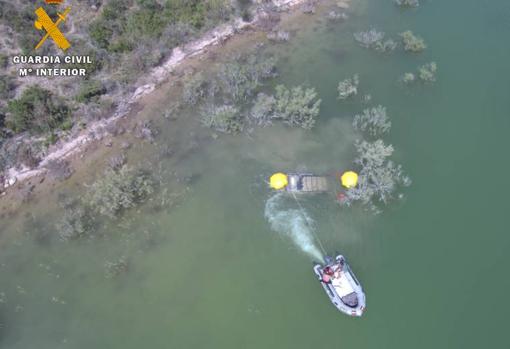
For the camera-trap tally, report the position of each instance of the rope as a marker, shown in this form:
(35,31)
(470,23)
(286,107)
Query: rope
(308,224)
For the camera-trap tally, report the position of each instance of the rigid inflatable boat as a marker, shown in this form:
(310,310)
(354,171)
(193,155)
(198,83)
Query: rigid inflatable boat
(342,287)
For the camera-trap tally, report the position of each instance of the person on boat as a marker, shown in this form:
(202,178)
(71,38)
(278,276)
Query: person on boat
(326,278)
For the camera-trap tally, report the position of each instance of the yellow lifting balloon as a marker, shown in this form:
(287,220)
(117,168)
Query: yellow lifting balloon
(349,179)
(278,181)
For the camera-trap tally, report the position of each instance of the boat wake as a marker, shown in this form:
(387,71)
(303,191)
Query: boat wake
(293,223)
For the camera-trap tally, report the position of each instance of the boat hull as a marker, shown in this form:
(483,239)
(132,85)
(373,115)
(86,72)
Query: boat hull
(335,298)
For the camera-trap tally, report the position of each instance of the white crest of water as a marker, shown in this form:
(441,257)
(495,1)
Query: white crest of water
(292,222)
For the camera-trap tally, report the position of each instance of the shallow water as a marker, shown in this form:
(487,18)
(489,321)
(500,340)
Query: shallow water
(209,272)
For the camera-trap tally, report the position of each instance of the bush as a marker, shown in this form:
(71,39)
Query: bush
(240,77)
(118,190)
(90,91)
(428,72)
(369,38)
(411,42)
(408,78)
(297,106)
(7,86)
(74,223)
(195,89)
(374,121)
(407,3)
(379,177)
(348,87)
(37,110)
(262,110)
(374,40)
(224,119)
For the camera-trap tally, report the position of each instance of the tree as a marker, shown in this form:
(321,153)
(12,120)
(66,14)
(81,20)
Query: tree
(379,177)
(412,42)
(263,110)
(37,110)
(348,87)
(297,106)
(224,119)
(118,190)
(374,121)
(428,72)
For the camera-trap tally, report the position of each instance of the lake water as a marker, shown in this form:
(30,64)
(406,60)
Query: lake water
(213,272)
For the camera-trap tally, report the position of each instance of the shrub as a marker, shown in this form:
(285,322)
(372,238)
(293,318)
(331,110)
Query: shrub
(37,110)
(262,110)
(369,38)
(427,72)
(348,87)
(195,89)
(385,46)
(240,77)
(6,86)
(224,119)
(374,121)
(118,190)
(90,90)
(379,177)
(411,42)
(407,3)
(297,106)
(408,78)
(59,169)
(74,223)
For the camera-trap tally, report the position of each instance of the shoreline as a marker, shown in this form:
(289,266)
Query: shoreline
(146,85)
(156,76)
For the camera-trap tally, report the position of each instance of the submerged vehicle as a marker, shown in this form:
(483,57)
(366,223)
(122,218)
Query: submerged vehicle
(306,183)
(342,287)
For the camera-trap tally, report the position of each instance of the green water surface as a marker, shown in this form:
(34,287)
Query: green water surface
(211,273)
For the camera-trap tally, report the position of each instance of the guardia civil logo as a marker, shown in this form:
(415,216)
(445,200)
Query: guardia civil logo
(50,27)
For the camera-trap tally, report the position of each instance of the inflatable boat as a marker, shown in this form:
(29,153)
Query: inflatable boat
(342,287)
(306,183)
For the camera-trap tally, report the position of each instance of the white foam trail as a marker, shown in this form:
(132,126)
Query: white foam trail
(293,223)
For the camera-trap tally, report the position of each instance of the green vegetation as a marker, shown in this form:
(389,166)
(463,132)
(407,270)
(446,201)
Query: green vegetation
(373,121)
(407,3)
(297,106)
(408,78)
(412,42)
(90,91)
(37,111)
(240,77)
(125,24)
(6,86)
(427,72)
(348,87)
(379,177)
(262,110)
(117,190)
(74,222)
(224,119)
(374,39)
(195,89)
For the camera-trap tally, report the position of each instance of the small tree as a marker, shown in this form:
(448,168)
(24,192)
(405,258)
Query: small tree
(374,121)
(407,3)
(37,110)
(263,110)
(297,106)
(412,42)
(428,72)
(117,190)
(348,87)
(224,119)
(195,88)
(379,177)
